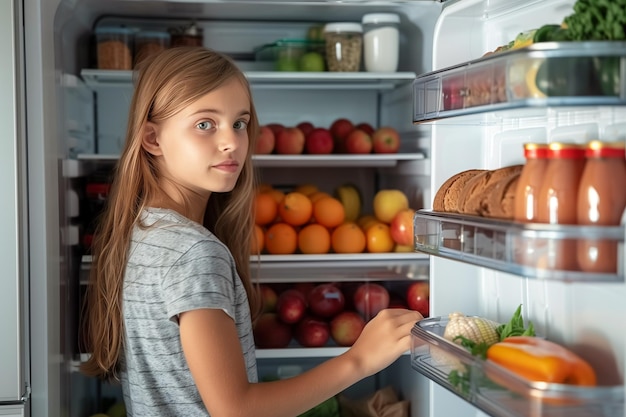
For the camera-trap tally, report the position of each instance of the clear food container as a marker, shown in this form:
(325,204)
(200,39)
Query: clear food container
(344,46)
(149,43)
(497,391)
(381,41)
(114,48)
(293,55)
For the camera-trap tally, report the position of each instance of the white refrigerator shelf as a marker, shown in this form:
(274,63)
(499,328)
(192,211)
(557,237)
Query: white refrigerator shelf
(498,391)
(526,249)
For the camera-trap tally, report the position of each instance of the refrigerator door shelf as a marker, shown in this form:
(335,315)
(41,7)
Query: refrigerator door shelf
(526,249)
(496,390)
(540,75)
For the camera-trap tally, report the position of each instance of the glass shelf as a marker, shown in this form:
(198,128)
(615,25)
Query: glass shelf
(538,76)
(280,79)
(526,249)
(331,267)
(511,396)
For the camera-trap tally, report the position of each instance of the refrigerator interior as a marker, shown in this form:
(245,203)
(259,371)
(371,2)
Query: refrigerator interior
(61,75)
(90,125)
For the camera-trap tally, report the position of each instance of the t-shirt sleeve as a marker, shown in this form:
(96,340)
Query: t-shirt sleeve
(203,277)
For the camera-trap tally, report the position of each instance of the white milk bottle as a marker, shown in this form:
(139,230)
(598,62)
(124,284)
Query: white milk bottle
(381,41)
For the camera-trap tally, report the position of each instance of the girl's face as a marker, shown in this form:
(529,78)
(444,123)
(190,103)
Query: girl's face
(203,147)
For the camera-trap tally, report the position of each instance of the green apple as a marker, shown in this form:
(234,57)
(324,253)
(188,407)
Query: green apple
(117,410)
(286,63)
(311,61)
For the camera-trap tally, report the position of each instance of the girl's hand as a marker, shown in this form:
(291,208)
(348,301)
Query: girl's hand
(383,340)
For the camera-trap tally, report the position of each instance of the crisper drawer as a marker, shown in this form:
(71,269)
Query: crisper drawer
(499,392)
(534,250)
(543,74)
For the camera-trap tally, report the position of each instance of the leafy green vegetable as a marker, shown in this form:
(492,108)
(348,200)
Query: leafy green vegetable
(597,20)
(515,326)
(329,408)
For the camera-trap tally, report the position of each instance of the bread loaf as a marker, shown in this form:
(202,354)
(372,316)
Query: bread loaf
(447,196)
(473,196)
(500,198)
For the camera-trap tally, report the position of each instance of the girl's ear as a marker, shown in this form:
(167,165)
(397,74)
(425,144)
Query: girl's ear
(149,141)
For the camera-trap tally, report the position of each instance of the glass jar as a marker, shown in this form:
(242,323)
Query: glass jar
(149,43)
(530,181)
(381,41)
(601,201)
(556,202)
(344,44)
(114,48)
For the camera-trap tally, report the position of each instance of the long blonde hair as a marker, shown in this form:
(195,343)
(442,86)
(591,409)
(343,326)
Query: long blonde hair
(164,85)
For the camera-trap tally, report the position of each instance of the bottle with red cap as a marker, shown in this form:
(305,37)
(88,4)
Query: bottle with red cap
(557,201)
(601,202)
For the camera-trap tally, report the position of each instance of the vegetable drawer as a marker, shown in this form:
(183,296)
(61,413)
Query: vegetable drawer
(497,391)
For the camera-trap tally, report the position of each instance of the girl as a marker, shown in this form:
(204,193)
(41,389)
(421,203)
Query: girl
(168,309)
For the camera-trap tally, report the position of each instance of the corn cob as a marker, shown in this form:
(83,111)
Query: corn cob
(475,329)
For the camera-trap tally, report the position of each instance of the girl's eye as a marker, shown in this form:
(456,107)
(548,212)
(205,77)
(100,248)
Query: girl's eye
(206,125)
(240,125)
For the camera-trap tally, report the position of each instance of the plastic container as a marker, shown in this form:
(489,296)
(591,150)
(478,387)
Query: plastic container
(381,41)
(149,43)
(344,46)
(114,48)
(288,55)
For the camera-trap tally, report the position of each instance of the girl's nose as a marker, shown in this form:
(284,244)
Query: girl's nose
(228,140)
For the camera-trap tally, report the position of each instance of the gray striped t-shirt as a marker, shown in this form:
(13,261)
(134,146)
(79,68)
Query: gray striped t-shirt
(174,265)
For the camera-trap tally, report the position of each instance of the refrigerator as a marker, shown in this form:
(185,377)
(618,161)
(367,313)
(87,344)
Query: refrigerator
(63,120)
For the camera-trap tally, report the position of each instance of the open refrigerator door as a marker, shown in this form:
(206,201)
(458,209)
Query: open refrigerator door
(483,107)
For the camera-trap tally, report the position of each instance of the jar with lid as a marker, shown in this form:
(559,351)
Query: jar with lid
(344,44)
(381,41)
(526,193)
(557,199)
(149,43)
(190,35)
(601,202)
(114,48)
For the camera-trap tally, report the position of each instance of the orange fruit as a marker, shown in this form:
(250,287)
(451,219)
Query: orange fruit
(258,240)
(367,221)
(314,239)
(295,209)
(348,238)
(277,194)
(264,187)
(329,212)
(379,239)
(281,239)
(317,195)
(265,208)
(306,189)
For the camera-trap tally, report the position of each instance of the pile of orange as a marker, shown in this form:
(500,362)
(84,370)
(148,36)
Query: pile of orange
(309,221)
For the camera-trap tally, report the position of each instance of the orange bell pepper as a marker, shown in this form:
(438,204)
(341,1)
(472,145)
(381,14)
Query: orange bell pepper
(538,359)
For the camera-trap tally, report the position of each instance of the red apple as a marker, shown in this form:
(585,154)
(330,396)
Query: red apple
(401,227)
(271,333)
(291,306)
(386,140)
(269,298)
(326,300)
(346,327)
(340,129)
(312,332)
(366,127)
(319,141)
(265,142)
(358,142)
(418,297)
(304,287)
(275,127)
(370,298)
(289,141)
(305,127)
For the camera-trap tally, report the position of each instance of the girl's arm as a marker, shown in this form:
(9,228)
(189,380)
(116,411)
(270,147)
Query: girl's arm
(212,349)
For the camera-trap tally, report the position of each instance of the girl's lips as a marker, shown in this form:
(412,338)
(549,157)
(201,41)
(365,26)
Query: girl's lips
(228,166)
